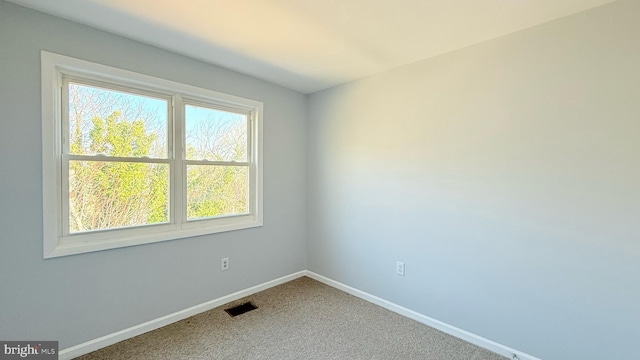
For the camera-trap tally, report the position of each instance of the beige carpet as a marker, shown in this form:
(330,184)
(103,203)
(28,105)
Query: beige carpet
(302,319)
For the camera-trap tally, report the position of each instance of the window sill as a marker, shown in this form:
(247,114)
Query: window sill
(114,239)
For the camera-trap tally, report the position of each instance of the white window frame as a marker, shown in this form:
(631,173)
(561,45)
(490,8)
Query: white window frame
(56,240)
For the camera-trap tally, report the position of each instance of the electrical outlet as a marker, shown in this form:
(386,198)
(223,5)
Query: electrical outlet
(224,264)
(399,268)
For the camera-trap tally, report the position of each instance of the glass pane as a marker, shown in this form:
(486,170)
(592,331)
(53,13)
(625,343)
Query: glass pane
(115,123)
(216,191)
(108,195)
(215,135)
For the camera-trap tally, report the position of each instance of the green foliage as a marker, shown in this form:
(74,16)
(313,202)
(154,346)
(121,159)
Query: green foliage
(110,194)
(216,190)
(113,194)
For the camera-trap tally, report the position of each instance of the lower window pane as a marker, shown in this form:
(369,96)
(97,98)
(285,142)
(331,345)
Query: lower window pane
(107,195)
(216,191)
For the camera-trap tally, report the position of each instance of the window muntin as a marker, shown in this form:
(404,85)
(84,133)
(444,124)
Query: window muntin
(114,139)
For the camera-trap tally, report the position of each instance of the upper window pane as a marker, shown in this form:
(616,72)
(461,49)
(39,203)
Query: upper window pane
(215,135)
(114,123)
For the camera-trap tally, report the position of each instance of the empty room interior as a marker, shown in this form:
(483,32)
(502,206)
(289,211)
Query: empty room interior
(468,169)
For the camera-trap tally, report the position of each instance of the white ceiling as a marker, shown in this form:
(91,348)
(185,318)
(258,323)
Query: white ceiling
(309,45)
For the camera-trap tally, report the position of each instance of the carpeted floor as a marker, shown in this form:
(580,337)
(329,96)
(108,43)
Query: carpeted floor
(302,319)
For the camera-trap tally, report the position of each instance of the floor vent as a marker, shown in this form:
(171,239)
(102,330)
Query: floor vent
(240,309)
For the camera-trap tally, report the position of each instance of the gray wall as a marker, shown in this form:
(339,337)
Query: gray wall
(77,298)
(505,175)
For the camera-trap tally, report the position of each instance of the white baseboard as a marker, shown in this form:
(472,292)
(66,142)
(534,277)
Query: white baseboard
(444,327)
(104,341)
(110,339)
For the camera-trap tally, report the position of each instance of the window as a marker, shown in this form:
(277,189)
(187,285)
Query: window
(130,159)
